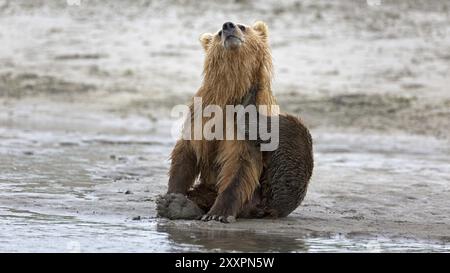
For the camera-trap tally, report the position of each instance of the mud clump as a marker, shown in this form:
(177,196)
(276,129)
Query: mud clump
(177,206)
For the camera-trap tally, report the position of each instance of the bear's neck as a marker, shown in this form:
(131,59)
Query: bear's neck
(227,85)
(224,91)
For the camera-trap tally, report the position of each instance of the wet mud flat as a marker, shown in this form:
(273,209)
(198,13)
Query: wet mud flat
(88,183)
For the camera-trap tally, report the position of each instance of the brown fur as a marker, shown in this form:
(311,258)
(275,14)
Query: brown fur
(236,178)
(287,170)
(228,75)
(234,166)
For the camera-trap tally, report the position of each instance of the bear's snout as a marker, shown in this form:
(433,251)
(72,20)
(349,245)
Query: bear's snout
(231,37)
(229,29)
(228,26)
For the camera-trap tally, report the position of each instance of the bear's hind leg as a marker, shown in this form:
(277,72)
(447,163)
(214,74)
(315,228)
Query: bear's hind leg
(285,180)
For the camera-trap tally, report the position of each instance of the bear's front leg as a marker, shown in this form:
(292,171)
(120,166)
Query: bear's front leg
(241,167)
(183,169)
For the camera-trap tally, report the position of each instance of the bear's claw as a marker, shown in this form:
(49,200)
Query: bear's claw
(219,218)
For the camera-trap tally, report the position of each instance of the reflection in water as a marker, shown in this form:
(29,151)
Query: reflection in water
(229,240)
(226,240)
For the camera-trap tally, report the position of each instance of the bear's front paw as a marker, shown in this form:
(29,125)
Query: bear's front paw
(177,206)
(221,215)
(223,219)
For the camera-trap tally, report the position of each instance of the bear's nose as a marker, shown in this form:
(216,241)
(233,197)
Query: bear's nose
(228,26)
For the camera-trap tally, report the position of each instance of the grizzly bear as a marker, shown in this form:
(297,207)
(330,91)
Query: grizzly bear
(236,178)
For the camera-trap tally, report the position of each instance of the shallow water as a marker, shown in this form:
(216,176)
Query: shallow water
(50,233)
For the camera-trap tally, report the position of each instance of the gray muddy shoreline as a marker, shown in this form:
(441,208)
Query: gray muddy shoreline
(91,178)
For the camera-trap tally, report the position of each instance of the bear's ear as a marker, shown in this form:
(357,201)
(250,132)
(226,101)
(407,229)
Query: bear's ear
(205,39)
(261,28)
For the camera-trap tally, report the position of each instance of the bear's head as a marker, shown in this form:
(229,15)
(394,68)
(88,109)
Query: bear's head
(237,57)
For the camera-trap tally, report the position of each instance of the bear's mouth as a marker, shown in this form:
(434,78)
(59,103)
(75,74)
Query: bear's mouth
(232,42)
(234,37)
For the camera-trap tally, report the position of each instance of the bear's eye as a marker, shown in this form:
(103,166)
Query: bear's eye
(220,33)
(241,27)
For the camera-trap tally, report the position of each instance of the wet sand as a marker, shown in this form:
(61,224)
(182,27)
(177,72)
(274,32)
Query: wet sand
(84,150)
